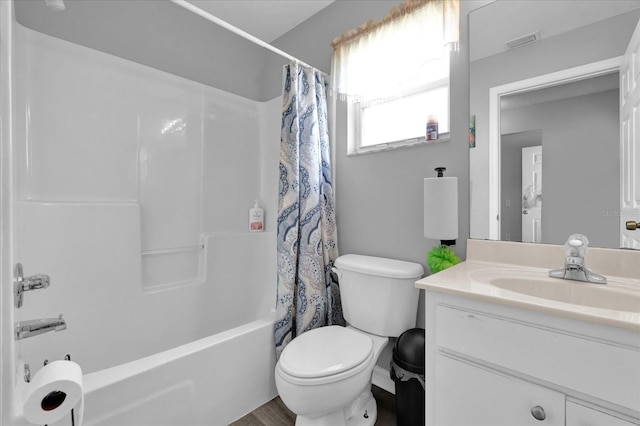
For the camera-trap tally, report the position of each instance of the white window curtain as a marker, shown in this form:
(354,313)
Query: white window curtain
(381,60)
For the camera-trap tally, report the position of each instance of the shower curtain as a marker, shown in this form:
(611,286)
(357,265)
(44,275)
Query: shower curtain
(308,294)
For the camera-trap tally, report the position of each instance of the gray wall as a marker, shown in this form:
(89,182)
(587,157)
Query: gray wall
(580,165)
(379,196)
(161,35)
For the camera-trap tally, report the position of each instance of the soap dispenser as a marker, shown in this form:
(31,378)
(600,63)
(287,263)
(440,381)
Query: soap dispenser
(256,218)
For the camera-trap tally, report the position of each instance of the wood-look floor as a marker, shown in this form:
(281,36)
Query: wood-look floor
(275,413)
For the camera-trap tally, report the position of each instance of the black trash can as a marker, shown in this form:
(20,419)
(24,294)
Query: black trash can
(407,371)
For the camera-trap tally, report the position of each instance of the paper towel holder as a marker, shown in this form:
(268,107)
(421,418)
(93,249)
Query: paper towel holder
(440,209)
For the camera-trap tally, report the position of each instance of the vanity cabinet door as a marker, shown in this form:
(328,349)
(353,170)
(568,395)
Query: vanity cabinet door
(470,395)
(579,415)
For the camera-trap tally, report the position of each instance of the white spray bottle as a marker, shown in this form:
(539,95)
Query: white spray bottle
(256,218)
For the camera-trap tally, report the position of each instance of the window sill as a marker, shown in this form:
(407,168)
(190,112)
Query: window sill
(398,145)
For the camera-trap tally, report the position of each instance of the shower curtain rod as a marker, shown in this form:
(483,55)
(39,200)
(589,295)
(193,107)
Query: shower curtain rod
(195,9)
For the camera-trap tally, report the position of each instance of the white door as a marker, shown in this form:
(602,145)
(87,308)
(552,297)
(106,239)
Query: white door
(532,194)
(630,141)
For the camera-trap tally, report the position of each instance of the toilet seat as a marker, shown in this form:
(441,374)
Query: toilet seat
(325,355)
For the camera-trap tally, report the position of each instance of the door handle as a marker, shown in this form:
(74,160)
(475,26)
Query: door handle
(632,225)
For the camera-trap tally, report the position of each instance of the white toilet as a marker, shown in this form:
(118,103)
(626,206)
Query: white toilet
(324,375)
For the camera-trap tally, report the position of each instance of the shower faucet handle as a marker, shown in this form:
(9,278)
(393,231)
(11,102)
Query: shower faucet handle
(36,282)
(22,283)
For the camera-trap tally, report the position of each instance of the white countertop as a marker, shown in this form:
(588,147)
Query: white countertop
(463,280)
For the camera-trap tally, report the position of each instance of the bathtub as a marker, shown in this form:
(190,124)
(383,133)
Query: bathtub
(211,381)
(136,379)
(198,354)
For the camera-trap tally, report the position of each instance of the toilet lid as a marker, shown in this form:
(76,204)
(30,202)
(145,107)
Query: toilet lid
(324,352)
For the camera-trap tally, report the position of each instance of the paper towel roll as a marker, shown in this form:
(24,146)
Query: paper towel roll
(441,208)
(53,392)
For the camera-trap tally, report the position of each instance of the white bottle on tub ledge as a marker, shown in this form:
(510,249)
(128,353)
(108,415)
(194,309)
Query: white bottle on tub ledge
(256,218)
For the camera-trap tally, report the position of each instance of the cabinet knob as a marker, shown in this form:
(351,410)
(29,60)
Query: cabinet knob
(538,413)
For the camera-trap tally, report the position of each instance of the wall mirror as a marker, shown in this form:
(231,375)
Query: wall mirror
(545,103)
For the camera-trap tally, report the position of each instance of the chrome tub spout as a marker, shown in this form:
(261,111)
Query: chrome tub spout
(31,328)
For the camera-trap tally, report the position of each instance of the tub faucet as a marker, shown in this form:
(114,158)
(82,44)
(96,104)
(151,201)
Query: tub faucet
(574,268)
(22,284)
(30,328)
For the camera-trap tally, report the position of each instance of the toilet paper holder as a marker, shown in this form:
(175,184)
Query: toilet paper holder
(27,369)
(54,393)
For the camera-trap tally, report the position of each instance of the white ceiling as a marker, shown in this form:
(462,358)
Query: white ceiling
(265,19)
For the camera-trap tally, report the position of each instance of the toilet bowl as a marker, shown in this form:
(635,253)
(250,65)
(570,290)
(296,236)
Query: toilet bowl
(324,375)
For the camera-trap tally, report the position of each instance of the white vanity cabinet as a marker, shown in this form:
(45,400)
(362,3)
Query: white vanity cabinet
(471,395)
(578,414)
(490,364)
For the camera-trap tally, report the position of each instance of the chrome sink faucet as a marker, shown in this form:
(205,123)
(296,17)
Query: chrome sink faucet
(574,268)
(31,328)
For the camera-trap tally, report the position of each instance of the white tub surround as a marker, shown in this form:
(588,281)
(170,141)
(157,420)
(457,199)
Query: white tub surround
(499,353)
(130,188)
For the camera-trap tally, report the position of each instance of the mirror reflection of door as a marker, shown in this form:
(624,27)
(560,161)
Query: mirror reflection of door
(629,107)
(532,194)
(511,183)
(580,123)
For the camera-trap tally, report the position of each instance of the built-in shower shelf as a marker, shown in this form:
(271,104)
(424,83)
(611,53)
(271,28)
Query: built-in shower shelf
(171,267)
(173,250)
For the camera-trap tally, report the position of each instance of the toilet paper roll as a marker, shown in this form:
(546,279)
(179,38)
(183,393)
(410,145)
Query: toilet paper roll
(53,392)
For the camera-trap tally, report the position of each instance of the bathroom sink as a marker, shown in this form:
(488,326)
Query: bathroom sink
(616,295)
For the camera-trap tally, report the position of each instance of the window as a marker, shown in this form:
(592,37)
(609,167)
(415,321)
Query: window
(394,74)
(402,121)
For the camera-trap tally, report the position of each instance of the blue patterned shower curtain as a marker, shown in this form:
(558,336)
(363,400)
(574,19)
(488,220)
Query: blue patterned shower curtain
(308,294)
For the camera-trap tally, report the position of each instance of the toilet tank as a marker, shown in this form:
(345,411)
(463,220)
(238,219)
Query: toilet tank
(379,295)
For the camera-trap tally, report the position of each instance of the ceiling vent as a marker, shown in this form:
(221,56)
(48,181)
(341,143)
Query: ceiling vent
(521,41)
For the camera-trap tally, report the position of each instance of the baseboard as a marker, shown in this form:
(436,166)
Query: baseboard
(382,379)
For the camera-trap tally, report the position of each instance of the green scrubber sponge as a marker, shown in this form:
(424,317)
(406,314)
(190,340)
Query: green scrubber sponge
(440,258)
